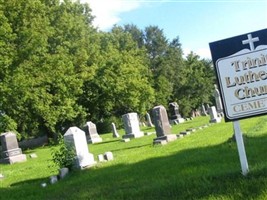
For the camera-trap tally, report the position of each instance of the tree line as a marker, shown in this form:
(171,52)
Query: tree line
(57,70)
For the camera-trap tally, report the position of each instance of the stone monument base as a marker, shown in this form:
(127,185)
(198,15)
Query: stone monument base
(86,161)
(216,120)
(177,121)
(14,159)
(135,135)
(94,140)
(168,138)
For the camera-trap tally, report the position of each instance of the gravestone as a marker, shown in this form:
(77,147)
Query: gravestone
(76,140)
(218,100)
(91,133)
(115,133)
(214,115)
(193,114)
(203,110)
(207,108)
(149,122)
(162,125)
(175,116)
(131,126)
(11,153)
(63,172)
(108,156)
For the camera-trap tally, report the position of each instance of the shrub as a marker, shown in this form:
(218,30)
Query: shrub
(63,155)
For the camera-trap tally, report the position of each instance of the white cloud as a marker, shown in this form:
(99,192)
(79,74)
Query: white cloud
(202,52)
(107,12)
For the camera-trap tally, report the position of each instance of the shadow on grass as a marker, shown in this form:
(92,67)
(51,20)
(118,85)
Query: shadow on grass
(106,142)
(132,147)
(211,172)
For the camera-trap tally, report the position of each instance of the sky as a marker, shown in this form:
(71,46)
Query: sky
(195,22)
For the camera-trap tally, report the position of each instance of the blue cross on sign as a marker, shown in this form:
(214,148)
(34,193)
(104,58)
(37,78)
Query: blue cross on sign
(241,69)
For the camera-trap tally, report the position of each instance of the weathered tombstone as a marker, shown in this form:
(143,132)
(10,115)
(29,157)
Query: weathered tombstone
(101,158)
(162,125)
(218,100)
(76,140)
(214,115)
(114,131)
(149,122)
(53,179)
(175,116)
(91,133)
(207,108)
(203,110)
(108,156)
(131,126)
(193,114)
(197,113)
(11,153)
(126,140)
(63,172)
(33,155)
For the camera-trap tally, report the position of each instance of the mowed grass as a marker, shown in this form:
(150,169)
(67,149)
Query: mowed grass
(202,165)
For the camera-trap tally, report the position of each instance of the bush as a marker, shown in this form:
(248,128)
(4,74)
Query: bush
(63,155)
(104,126)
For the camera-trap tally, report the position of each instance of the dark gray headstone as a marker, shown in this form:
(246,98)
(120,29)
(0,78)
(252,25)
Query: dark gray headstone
(174,110)
(175,116)
(162,124)
(11,153)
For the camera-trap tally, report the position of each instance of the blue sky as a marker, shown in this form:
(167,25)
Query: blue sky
(196,23)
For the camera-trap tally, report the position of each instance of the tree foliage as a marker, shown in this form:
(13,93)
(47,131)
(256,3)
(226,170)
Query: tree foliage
(57,70)
(196,85)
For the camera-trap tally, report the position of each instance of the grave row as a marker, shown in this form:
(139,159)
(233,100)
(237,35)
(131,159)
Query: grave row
(78,139)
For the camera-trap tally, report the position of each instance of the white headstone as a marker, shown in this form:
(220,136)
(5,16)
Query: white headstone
(218,100)
(131,126)
(108,156)
(149,122)
(100,158)
(114,131)
(63,172)
(75,138)
(203,110)
(214,115)
(53,179)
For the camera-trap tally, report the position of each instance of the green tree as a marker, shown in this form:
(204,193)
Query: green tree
(196,86)
(121,82)
(45,74)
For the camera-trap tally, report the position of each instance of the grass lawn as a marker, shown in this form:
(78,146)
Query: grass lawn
(202,165)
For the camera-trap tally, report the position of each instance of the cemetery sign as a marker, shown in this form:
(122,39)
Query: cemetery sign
(241,69)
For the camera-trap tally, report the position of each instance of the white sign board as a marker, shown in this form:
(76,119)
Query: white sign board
(242,75)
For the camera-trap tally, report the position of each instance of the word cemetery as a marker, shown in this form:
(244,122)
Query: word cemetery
(241,69)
